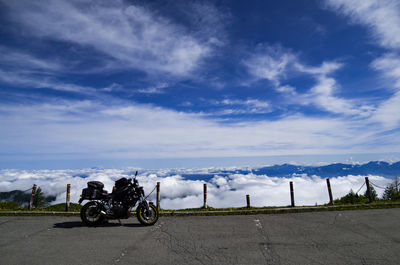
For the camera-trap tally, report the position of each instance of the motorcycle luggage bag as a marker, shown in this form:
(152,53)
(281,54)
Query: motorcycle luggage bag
(90,193)
(95,185)
(121,183)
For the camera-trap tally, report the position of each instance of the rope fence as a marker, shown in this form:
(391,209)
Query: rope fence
(379,187)
(360,188)
(27,190)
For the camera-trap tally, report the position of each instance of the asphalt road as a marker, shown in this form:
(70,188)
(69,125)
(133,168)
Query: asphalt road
(348,237)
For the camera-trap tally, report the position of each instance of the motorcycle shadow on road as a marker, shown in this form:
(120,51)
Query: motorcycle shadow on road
(80,224)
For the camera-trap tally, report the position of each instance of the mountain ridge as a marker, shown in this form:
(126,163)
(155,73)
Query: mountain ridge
(380,168)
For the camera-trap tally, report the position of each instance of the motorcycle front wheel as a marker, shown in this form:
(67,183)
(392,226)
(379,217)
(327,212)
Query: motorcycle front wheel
(147,217)
(91,214)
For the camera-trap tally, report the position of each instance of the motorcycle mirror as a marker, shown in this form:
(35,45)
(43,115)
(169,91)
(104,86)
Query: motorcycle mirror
(136,173)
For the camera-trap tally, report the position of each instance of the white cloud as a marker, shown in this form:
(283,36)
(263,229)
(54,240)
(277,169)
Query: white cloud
(157,89)
(90,129)
(20,59)
(324,69)
(249,102)
(130,35)
(286,89)
(244,106)
(35,81)
(381,16)
(270,62)
(113,87)
(178,193)
(388,111)
(383,19)
(323,95)
(206,20)
(276,64)
(20,68)
(389,65)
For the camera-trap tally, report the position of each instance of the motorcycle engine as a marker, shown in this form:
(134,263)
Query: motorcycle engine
(120,211)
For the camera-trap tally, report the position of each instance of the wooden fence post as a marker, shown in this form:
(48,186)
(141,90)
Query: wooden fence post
(248,201)
(205,195)
(368,190)
(32,196)
(68,197)
(328,183)
(158,196)
(291,194)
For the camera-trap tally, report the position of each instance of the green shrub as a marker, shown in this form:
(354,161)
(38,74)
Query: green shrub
(392,192)
(73,207)
(351,198)
(10,206)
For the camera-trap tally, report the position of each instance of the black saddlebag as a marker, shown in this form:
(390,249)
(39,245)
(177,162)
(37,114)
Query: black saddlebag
(94,191)
(121,183)
(91,194)
(95,185)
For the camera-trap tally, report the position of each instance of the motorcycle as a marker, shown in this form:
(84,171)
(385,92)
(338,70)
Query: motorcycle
(103,206)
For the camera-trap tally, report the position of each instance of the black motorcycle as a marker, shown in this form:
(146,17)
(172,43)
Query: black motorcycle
(103,206)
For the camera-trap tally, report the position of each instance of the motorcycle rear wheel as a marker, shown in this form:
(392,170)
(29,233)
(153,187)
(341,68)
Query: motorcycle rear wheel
(147,217)
(90,214)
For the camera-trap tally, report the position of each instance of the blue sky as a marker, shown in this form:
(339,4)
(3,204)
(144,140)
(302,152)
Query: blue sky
(87,83)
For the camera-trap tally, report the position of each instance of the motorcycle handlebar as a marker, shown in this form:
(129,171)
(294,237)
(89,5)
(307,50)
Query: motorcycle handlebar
(133,180)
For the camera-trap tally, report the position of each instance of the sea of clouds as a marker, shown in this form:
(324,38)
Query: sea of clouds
(178,192)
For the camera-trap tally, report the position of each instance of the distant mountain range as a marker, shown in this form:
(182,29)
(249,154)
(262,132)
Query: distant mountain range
(380,168)
(16,196)
(21,197)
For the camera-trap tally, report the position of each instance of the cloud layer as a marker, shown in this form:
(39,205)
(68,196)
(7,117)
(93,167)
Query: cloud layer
(178,192)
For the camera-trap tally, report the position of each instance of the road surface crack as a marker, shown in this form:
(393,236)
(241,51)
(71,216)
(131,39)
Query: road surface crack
(266,248)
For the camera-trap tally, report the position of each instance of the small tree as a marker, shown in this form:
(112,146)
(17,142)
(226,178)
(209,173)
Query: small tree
(374,195)
(39,200)
(351,198)
(392,192)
